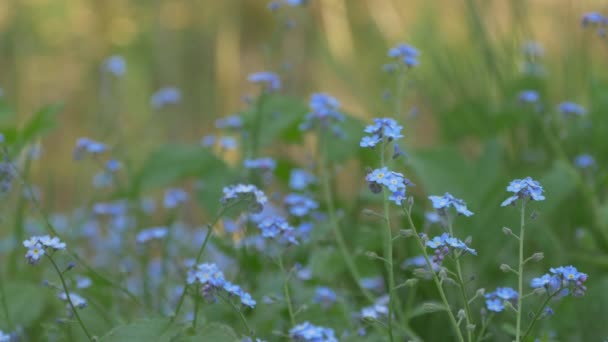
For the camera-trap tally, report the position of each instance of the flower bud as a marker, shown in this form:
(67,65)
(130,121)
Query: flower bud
(537,256)
(406,233)
(507,231)
(506,268)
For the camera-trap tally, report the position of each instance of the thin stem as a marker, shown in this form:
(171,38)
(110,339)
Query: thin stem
(196,304)
(484,326)
(4,303)
(463,292)
(520,274)
(539,312)
(292,317)
(200,254)
(243,319)
(67,294)
(388,252)
(435,278)
(350,264)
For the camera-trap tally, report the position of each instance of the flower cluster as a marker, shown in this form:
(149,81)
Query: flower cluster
(444,244)
(77,300)
(495,301)
(229,122)
(212,279)
(38,246)
(300,205)
(270,80)
(165,97)
(324,112)
(571,109)
(405,53)
(593,19)
(247,192)
(277,227)
(377,311)
(260,164)
(155,233)
(88,146)
(325,296)
(395,182)
(307,332)
(300,179)
(174,197)
(526,188)
(443,203)
(563,279)
(382,128)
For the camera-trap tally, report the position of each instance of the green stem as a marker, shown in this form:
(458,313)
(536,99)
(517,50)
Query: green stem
(292,317)
(388,251)
(243,319)
(196,304)
(539,312)
(463,292)
(484,326)
(350,264)
(4,303)
(20,212)
(520,274)
(436,280)
(67,294)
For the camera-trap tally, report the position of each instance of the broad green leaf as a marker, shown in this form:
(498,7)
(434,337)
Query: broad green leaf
(157,330)
(25,303)
(215,332)
(42,121)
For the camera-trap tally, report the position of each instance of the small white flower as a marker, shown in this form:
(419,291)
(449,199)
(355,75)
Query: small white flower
(77,300)
(34,254)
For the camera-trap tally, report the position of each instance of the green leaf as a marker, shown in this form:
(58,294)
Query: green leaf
(42,121)
(215,332)
(25,303)
(158,330)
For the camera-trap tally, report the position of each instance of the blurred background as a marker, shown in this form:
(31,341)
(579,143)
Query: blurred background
(467,132)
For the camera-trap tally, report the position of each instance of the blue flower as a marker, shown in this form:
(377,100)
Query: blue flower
(526,188)
(115,65)
(394,182)
(370,141)
(528,96)
(294,3)
(593,19)
(385,127)
(247,300)
(300,179)
(325,112)
(406,53)
(174,197)
(155,233)
(247,192)
(232,122)
(443,203)
(277,227)
(397,196)
(208,140)
(444,244)
(88,146)
(325,296)
(300,205)
(166,96)
(584,161)
(566,278)
(260,163)
(228,143)
(495,300)
(570,108)
(270,80)
(307,332)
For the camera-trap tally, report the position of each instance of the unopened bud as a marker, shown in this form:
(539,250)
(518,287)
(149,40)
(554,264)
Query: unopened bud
(506,268)
(539,291)
(471,327)
(537,256)
(411,282)
(507,231)
(480,292)
(461,314)
(468,240)
(368,212)
(432,307)
(371,255)
(422,273)
(406,232)
(410,201)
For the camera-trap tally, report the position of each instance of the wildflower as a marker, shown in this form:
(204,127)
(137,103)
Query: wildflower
(373,283)
(524,189)
(212,279)
(88,146)
(444,244)
(83,282)
(584,161)
(406,53)
(299,179)
(208,141)
(277,227)
(260,163)
(38,245)
(419,261)
(370,141)
(495,300)
(325,296)
(232,121)
(245,192)
(166,96)
(228,143)
(294,3)
(270,80)
(443,203)
(155,233)
(528,96)
(324,112)
(300,205)
(116,208)
(4,337)
(174,197)
(394,182)
(307,332)
(247,300)
(432,217)
(385,128)
(570,108)
(77,300)
(34,254)
(115,65)
(377,311)
(593,19)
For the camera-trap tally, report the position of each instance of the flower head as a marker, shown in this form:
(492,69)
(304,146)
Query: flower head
(260,163)
(174,197)
(38,246)
(584,161)
(115,65)
(270,80)
(300,179)
(564,279)
(444,244)
(230,122)
(246,192)
(382,128)
(166,96)
(406,53)
(155,233)
(88,146)
(300,205)
(325,296)
(324,112)
(443,203)
(394,182)
(526,188)
(593,19)
(528,96)
(77,300)
(495,300)
(571,109)
(307,332)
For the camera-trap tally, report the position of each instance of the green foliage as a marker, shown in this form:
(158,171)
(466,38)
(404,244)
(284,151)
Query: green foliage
(160,330)
(26,303)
